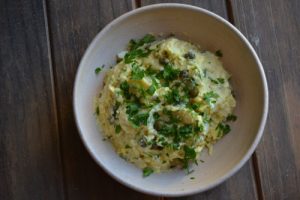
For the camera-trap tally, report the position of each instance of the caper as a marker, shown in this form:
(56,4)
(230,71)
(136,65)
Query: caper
(163,61)
(189,84)
(158,125)
(184,74)
(171,35)
(118,59)
(156,147)
(193,92)
(143,142)
(189,55)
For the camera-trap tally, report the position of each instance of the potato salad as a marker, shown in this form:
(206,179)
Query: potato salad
(164,102)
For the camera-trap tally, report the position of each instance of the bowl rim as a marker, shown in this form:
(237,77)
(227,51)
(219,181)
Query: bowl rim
(258,136)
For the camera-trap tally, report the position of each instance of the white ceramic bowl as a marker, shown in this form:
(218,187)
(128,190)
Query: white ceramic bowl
(210,31)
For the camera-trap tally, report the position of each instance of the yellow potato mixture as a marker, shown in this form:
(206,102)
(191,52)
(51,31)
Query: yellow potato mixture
(163,102)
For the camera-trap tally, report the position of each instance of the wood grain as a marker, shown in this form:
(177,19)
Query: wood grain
(73,25)
(242,185)
(30,164)
(273,27)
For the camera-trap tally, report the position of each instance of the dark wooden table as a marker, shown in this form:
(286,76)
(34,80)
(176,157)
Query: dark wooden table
(41,154)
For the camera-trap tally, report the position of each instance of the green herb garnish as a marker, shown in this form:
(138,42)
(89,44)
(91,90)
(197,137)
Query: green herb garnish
(199,128)
(173,97)
(221,80)
(223,129)
(139,119)
(189,155)
(217,81)
(210,97)
(132,108)
(134,44)
(150,71)
(124,86)
(214,81)
(231,118)
(97,110)
(194,106)
(137,73)
(156,116)
(168,130)
(151,90)
(98,69)
(117,129)
(137,53)
(186,130)
(147,171)
(169,73)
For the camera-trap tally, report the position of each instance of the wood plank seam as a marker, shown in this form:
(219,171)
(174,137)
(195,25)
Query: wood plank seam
(254,160)
(229,11)
(136,4)
(257,177)
(55,99)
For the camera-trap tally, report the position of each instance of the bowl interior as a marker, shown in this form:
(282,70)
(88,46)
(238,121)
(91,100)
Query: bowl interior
(199,27)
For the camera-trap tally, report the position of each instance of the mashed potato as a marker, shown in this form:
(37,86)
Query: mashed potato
(164,102)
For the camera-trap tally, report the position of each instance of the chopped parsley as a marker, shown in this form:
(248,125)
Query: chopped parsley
(117,129)
(97,110)
(210,97)
(206,119)
(132,108)
(189,155)
(137,53)
(150,71)
(199,128)
(156,116)
(223,129)
(186,130)
(194,106)
(173,97)
(137,73)
(221,80)
(169,73)
(214,81)
(217,81)
(139,119)
(168,130)
(124,86)
(134,44)
(147,171)
(231,118)
(98,69)
(219,53)
(151,90)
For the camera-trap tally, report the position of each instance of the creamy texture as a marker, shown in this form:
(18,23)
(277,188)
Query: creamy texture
(164,102)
